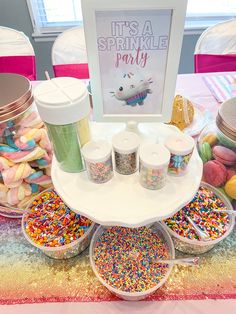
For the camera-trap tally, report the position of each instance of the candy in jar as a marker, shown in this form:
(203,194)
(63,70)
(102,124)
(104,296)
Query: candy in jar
(217,148)
(25,150)
(180,147)
(153,164)
(98,159)
(125,146)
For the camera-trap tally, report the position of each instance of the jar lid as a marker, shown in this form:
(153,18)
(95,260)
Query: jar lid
(96,151)
(62,100)
(125,142)
(154,155)
(180,144)
(226,118)
(15,95)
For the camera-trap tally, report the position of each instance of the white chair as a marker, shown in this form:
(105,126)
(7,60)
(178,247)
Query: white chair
(215,50)
(69,56)
(16,53)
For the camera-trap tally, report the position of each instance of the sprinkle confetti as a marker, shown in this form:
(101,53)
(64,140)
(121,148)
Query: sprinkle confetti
(200,209)
(125,258)
(51,223)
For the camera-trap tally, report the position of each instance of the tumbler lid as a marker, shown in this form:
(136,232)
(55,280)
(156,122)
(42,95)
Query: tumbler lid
(62,100)
(125,142)
(154,155)
(96,151)
(15,95)
(180,144)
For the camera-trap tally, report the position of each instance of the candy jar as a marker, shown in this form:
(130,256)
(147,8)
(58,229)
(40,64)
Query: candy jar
(181,148)
(153,164)
(217,148)
(98,159)
(63,105)
(25,150)
(125,146)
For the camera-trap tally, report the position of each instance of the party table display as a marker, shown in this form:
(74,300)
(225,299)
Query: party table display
(204,212)
(25,150)
(53,228)
(166,161)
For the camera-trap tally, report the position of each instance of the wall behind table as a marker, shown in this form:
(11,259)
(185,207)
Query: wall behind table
(15,14)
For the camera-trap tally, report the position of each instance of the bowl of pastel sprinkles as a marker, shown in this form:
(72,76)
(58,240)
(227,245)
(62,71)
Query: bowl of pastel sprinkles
(51,226)
(125,260)
(206,211)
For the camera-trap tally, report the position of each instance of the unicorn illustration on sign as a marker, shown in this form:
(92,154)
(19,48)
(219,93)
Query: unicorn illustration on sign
(132,90)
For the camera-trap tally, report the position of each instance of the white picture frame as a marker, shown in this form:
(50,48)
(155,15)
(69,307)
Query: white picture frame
(133,49)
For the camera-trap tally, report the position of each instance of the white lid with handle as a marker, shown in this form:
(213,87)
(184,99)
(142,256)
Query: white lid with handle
(180,144)
(154,155)
(125,142)
(62,100)
(96,151)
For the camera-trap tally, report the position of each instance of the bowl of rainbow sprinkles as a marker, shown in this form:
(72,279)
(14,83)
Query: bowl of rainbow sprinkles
(203,223)
(52,227)
(125,260)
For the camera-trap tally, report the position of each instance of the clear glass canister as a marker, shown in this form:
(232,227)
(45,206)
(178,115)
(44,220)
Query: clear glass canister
(98,159)
(125,146)
(153,165)
(63,105)
(217,148)
(25,150)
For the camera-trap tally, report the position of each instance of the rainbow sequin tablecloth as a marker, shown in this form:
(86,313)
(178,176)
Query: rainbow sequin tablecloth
(28,276)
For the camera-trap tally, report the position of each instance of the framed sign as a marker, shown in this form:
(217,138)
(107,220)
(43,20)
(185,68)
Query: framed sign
(133,51)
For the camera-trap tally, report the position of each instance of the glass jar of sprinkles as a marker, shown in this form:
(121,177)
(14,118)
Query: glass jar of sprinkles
(98,160)
(154,160)
(181,148)
(125,146)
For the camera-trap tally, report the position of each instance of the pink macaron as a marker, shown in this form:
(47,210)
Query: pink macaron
(230,172)
(215,173)
(224,155)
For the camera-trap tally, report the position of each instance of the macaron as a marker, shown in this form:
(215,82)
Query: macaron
(231,172)
(205,152)
(224,155)
(210,138)
(230,187)
(214,173)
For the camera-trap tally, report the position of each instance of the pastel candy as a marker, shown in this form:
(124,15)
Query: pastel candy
(230,187)
(16,173)
(15,195)
(5,163)
(22,156)
(224,155)
(214,173)
(230,172)
(210,138)
(205,152)
(3,192)
(39,178)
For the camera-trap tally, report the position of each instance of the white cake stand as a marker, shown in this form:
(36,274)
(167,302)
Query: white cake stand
(123,201)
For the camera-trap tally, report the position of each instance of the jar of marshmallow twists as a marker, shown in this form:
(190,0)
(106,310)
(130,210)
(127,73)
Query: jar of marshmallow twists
(25,150)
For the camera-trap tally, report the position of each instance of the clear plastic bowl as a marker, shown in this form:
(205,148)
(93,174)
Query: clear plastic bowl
(135,296)
(65,251)
(194,246)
